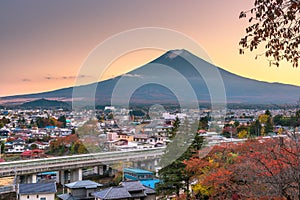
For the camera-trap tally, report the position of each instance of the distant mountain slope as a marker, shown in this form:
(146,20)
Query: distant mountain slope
(46,104)
(238,89)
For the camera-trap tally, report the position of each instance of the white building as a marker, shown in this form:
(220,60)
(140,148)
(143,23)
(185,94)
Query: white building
(17,146)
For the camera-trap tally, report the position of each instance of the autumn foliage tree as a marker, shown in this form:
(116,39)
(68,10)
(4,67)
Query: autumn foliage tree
(213,174)
(275,24)
(67,145)
(273,165)
(4,121)
(255,169)
(43,122)
(242,134)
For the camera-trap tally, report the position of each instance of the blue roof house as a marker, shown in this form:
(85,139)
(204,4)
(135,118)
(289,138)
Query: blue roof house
(145,177)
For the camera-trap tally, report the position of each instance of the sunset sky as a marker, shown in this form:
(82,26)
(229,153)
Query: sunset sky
(44,43)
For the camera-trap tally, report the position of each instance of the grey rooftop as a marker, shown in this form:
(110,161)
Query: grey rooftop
(83,184)
(37,188)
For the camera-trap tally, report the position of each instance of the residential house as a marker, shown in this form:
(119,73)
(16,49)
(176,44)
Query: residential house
(64,131)
(242,121)
(145,177)
(16,146)
(125,136)
(151,140)
(4,134)
(142,138)
(111,136)
(128,190)
(40,134)
(149,129)
(173,116)
(40,145)
(36,191)
(35,153)
(163,130)
(80,190)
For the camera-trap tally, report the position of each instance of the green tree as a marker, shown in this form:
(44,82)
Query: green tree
(275,24)
(62,119)
(277,119)
(266,120)
(40,122)
(255,129)
(174,176)
(2,143)
(175,128)
(33,146)
(236,123)
(203,124)
(269,126)
(268,113)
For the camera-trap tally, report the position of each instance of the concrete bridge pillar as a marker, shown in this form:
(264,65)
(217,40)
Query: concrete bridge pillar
(30,178)
(156,161)
(137,164)
(96,170)
(156,166)
(33,178)
(102,169)
(80,174)
(76,175)
(17,180)
(57,177)
(157,170)
(150,164)
(20,179)
(62,177)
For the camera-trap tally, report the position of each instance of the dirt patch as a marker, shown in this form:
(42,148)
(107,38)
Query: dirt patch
(6,181)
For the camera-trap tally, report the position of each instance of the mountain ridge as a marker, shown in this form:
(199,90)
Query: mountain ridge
(238,88)
(46,104)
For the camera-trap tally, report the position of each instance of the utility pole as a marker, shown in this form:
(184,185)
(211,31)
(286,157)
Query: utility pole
(123,174)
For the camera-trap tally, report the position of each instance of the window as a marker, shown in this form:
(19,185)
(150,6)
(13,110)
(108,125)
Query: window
(43,198)
(27,196)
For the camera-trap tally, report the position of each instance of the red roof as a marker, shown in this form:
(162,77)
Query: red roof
(26,153)
(31,152)
(201,131)
(37,151)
